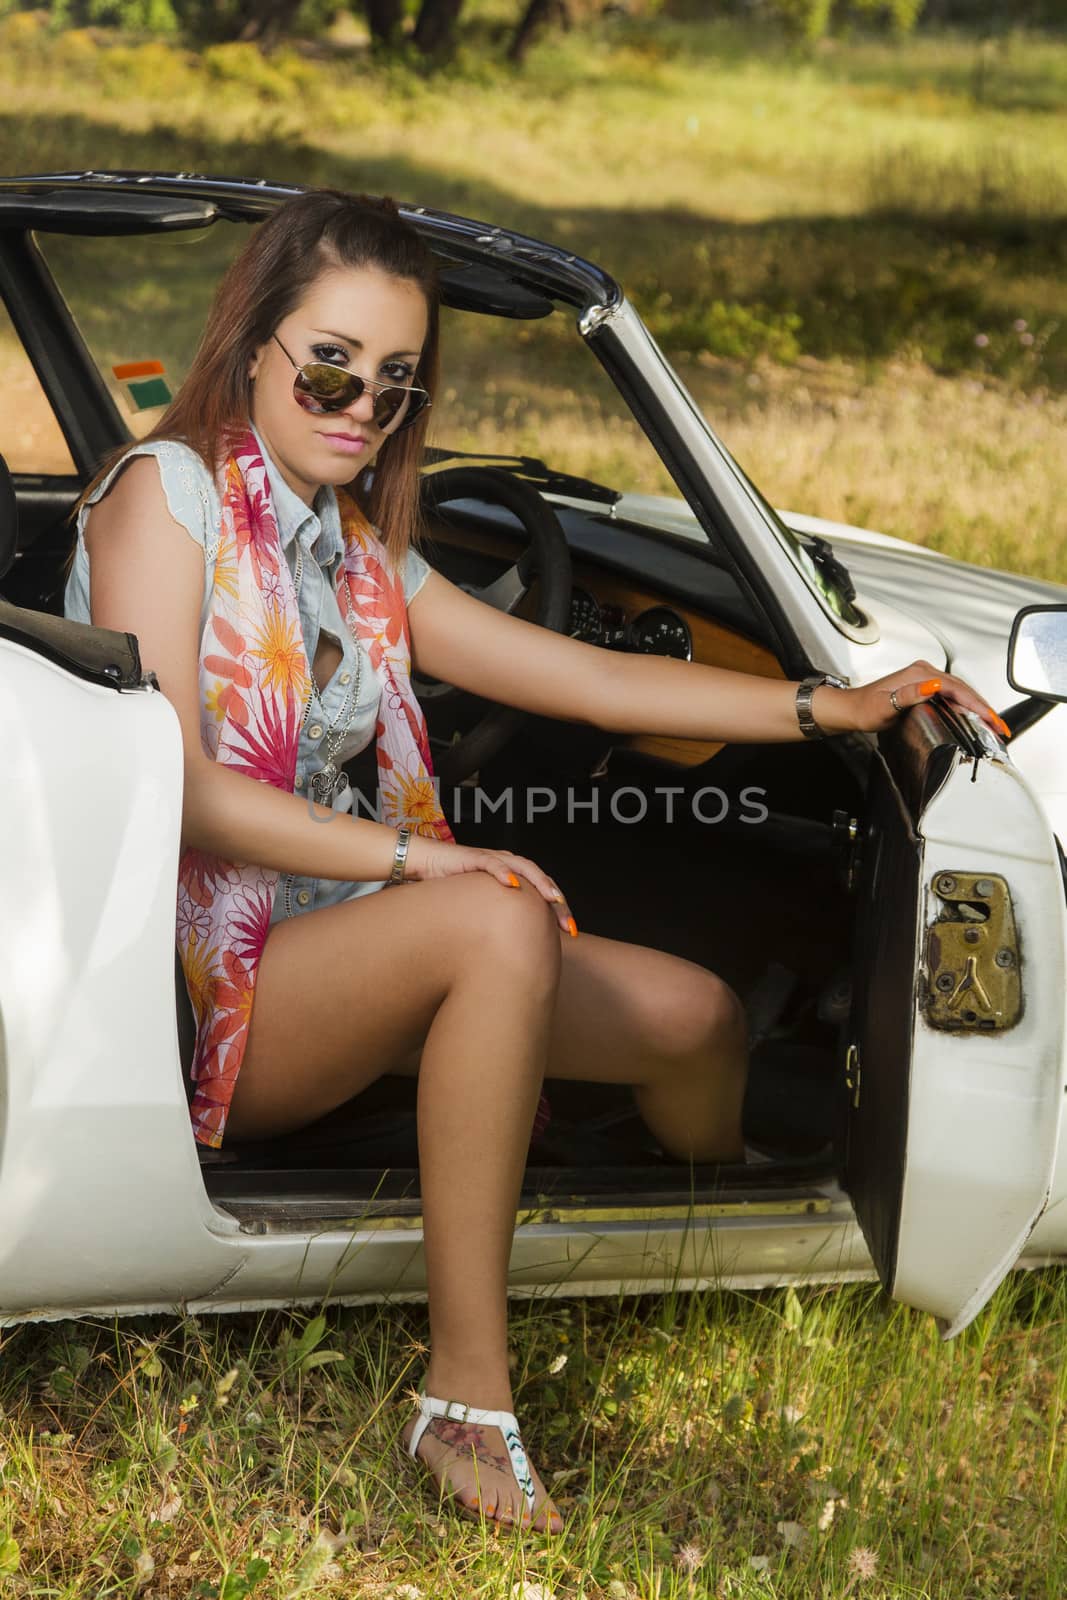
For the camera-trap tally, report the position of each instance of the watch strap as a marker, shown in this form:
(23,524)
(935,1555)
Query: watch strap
(805,694)
(403,839)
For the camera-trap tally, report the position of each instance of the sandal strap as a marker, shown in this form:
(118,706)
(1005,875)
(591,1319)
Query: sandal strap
(457,1411)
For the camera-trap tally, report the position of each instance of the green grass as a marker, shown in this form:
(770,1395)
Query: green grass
(782,1444)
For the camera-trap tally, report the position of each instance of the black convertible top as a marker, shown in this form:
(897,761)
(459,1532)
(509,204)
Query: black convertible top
(483,267)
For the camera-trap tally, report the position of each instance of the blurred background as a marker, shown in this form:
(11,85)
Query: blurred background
(844,220)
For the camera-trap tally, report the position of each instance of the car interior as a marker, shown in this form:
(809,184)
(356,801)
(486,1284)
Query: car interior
(737,857)
(679,857)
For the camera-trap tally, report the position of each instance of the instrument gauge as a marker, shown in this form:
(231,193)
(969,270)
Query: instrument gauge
(586,621)
(662,632)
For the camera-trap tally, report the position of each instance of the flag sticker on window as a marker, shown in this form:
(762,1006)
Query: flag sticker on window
(145,384)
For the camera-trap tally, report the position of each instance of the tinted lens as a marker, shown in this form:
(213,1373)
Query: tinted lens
(404,404)
(318,386)
(331,388)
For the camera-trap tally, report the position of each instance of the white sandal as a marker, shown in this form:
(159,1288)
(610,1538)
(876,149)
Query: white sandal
(456,1411)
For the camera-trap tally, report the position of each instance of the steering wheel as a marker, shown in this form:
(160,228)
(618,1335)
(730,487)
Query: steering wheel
(547,556)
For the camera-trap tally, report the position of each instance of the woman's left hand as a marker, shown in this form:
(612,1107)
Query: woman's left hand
(869,708)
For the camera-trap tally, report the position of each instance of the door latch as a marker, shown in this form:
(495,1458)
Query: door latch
(973,969)
(853,1074)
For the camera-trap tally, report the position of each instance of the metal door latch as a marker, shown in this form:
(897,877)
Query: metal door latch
(973,969)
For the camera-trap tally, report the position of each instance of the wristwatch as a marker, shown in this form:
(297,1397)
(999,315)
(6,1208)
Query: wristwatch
(403,837)
(805,691)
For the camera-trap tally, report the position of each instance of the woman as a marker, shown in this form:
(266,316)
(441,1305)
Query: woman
(261,457)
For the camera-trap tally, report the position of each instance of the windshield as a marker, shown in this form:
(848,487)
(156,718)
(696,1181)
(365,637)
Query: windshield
(509,386)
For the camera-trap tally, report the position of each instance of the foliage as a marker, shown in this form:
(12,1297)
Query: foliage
(812,19)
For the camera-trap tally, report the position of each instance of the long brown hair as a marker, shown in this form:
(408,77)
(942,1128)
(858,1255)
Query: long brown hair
(304,237)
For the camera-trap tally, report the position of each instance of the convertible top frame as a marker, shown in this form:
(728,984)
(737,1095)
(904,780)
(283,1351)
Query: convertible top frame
(484,268)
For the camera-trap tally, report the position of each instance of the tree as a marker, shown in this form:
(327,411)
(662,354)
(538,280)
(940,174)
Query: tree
(436,25)
(384,18)
(538,13)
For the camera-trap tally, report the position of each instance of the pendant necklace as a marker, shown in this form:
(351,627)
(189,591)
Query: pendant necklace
(329,786)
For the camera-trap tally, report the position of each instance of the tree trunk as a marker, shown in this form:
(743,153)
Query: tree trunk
(537,15)
(268,21)
(383,19)
(436,24)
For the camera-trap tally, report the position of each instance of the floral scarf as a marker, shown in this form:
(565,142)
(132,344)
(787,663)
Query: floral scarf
(254,683)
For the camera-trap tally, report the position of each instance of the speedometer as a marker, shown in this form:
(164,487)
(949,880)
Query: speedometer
(661,632)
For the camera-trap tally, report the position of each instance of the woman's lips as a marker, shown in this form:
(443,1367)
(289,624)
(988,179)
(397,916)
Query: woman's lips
(349,444)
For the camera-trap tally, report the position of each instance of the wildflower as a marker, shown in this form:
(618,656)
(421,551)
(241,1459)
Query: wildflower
(1026,338)
(862,1562)
(1019,324)
(981,340)
(689,1557)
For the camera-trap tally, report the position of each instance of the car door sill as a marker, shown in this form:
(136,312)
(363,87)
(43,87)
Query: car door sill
(273,1202)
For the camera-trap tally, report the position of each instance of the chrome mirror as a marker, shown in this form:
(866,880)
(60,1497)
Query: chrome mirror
(1037,652)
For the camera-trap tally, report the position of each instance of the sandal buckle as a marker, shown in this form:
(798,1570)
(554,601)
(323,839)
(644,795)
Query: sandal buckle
(463,1410)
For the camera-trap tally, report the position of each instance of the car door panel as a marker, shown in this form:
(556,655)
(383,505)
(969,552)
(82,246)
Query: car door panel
(954,1100)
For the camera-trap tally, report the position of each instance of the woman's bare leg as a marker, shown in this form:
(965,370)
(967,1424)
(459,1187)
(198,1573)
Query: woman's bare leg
(469,968)
(674,1031)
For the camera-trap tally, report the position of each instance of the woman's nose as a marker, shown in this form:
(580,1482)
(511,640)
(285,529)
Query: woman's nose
(362,408)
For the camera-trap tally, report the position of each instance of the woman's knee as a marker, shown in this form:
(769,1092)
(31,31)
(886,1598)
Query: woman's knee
(496,925)
(705,1020)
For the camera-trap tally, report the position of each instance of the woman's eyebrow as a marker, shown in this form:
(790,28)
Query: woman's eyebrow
(358,343)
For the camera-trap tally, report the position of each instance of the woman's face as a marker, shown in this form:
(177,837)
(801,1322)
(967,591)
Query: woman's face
(356,317)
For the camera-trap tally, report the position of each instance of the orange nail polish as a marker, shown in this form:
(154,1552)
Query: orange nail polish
(513,880)
(1005,730)
(931,686)
(573,927)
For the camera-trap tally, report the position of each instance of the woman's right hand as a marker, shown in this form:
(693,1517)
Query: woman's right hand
(436,858)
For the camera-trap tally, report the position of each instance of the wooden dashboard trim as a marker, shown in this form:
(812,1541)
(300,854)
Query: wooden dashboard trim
(714,644)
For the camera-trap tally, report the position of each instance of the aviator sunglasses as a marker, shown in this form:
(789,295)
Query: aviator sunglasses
(323,386)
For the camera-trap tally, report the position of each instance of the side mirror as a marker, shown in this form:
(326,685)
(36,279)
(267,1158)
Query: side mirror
(1037,652)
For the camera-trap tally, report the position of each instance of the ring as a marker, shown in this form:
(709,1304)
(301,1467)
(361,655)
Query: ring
(893,697)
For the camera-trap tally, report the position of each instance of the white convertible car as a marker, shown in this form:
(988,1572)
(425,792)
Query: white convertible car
(892,909)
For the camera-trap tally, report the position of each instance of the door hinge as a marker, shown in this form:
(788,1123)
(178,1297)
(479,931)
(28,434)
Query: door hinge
(853,1073)
(973,968)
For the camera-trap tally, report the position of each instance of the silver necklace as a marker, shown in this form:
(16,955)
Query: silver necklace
(327,786)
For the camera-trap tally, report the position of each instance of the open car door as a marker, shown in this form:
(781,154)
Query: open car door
(955,1068)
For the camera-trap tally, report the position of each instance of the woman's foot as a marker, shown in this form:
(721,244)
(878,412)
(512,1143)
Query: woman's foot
(471,1460)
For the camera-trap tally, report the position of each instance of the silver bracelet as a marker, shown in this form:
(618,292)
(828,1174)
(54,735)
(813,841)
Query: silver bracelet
(805,694)
(403,837)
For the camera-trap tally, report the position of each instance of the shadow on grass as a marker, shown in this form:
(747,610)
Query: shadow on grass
(949,288)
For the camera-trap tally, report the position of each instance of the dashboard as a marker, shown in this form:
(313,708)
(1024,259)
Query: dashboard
(658,631)
(614,613)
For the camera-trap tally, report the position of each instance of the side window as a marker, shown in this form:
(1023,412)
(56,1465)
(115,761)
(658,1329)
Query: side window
(140,302)
(30,437)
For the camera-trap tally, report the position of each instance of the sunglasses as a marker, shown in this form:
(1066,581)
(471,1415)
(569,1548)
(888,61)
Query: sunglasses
(322,386)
